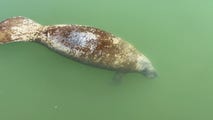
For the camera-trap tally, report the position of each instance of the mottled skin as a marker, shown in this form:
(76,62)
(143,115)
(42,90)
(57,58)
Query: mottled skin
(82,43)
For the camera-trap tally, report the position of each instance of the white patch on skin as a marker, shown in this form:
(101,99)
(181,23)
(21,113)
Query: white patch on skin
(115,40)
(77,39)
(83,39)
(61,25)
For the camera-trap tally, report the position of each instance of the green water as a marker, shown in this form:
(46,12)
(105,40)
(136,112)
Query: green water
(38,84)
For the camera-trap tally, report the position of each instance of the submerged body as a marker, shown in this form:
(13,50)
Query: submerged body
(82,43)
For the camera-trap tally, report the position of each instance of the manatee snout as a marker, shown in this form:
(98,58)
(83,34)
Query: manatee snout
(146,68)
(149,72)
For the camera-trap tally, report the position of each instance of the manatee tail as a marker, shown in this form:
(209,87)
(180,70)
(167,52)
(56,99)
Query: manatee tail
(18,29)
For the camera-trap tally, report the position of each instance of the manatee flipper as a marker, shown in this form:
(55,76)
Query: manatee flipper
(118,77)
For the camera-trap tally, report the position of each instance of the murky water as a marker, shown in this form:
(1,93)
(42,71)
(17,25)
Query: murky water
(36,83)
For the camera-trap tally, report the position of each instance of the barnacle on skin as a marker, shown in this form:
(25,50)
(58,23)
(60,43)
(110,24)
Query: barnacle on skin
(82,43)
